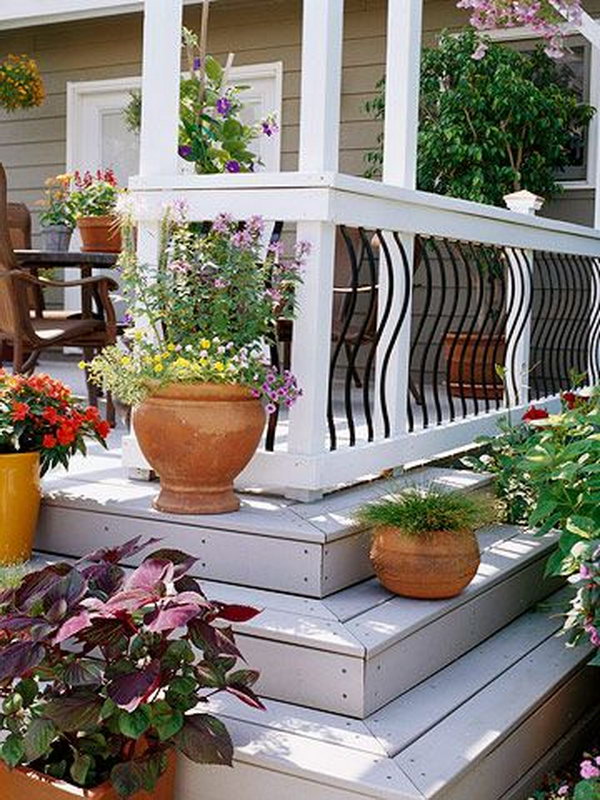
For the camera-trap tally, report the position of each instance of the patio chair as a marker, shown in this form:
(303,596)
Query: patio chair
(29,331)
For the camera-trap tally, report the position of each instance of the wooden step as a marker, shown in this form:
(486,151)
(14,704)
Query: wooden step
(358,649)
(477,730)
(312,549)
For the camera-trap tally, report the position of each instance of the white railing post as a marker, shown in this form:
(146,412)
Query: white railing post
(519,307)
(319,152)
(401,126)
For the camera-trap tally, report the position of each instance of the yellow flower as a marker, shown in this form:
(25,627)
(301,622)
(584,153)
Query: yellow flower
(171,348)
(182,362)
(82,365)
(125,360)
(219,366)
(158,368)
(158,357)
(205,343)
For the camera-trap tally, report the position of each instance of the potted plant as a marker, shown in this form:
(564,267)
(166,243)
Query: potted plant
(195,367)
(41,426)
(57,216)
(424,544)
(212,133)
(94,199)
(106,674)
(21,85)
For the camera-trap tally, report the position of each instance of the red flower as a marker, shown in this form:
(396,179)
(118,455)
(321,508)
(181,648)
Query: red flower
(102,428)
(50,415)
(49,441)
(572,400)
(65,435)
(19,411)
(534,413)
(92,414)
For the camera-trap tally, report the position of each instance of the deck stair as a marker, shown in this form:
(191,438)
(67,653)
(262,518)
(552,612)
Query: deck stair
(368,694)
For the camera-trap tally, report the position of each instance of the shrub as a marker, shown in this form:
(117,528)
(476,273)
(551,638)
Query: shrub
(102,672)
(416,513)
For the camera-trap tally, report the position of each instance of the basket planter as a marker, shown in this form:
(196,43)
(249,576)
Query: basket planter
(431,566)
(56,238)
(472,360)
(198,438)
(100,234)
(20,496)
(28,784)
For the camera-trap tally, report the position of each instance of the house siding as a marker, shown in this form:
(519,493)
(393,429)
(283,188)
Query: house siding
(33,143)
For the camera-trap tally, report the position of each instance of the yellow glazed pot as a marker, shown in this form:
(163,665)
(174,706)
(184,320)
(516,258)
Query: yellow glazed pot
(20,496)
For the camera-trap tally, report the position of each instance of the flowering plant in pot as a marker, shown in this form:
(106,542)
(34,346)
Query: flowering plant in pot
(41,426)
(196,368)
(57,216)
(21,85)
(213,135)
(106,674)
(94,201)
(424,544)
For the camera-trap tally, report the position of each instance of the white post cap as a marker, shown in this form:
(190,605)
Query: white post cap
(523,202)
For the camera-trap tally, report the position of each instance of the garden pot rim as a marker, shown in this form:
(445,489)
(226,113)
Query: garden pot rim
(430,534)
(97,219)
(200,390)
(32,454)
(61,228)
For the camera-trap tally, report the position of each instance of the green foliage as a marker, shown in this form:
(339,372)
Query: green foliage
(587,790)
(492,126)
(415,512)
(57,205)
(94,195)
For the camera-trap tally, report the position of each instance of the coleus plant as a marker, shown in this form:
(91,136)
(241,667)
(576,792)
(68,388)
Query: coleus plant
(103,671)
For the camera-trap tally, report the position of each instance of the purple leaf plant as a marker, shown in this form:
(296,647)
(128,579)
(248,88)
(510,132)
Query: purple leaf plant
(103,670)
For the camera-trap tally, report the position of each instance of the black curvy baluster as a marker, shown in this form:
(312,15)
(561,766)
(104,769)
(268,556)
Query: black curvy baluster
(422,244)
(447,326)
(274,355)
(471,336)
(558,326)
(510,329)
(498,332)
(461,325)
(594,321)
(545,321)
(437,315)
(383,321)
(486,335)
(368,322)
(575,332)
(566,342)
(522,261)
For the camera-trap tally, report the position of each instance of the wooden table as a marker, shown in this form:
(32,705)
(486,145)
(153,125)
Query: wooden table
(34,260)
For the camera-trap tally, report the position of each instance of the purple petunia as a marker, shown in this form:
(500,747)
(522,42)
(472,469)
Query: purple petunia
(184,150)
(233,166)
(223,106)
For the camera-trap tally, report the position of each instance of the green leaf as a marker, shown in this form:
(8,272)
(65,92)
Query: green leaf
(12,750)
(133,724)
(167,721)
(77,712)
(28,690)
(587,790)
(39,736)
(205,740)
(213,69)
(80,768)
(582,526)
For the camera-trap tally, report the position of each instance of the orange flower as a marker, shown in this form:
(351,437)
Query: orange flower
(19,411)
(49,441)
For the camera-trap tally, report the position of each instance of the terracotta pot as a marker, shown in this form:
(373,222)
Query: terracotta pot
(432,566)
(472,369)
(198,438)
(28,784)
(20,496)
(100,234)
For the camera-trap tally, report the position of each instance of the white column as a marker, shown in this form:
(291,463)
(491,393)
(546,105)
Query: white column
(161,72)
(518,312)
(319,152)
(401,127)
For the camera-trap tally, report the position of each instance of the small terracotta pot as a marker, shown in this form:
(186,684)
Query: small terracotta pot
(431,566)
(20,497)
(472,369)
(100,234)
(198,438)
(28,784)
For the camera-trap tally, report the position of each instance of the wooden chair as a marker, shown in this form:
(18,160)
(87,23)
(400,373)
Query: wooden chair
(30,331)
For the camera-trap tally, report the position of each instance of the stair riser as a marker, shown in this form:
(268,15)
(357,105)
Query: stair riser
(311,569)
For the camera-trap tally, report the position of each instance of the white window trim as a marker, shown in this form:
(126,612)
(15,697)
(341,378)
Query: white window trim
(527,33)
(247,73)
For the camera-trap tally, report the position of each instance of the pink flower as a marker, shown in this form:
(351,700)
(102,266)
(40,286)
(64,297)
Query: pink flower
(563,790)
(589,770)
(479,51)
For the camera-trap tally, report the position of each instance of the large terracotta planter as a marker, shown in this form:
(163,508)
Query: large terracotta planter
(100,234)
(472,364)
(20,496)
(198,438)
(431,566)
(27,784)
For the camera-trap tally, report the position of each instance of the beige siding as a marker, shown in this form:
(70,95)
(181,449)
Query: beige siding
(32,143)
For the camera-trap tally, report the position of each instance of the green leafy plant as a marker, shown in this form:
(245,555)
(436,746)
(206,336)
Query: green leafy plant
(212,133)
(490,126)
(21,85)
(103,672)
(94,195)
(205,312)
(417,513)
(57,205)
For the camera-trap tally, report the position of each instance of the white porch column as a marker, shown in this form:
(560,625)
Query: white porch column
(322,36)
(519,312)
(401,126)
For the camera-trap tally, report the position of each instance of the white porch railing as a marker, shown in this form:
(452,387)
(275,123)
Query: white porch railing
(404,292)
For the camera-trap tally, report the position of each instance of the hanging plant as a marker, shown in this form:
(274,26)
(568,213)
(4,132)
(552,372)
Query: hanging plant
(548,18)
(21,85)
